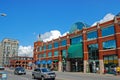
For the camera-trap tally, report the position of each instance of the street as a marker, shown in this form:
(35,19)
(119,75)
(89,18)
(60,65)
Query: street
(65,76)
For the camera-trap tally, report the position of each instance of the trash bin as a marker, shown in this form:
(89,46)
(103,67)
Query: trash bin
(3,75)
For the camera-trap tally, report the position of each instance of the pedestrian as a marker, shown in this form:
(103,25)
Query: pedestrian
(114,70)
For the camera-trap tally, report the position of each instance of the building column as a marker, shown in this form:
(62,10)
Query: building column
(60,66)
(100,47)
(68,66)
(85,51)
(117,36)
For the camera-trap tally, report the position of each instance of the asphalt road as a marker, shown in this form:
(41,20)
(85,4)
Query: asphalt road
(65,76)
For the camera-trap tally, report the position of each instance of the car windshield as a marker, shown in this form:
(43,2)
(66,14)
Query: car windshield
(45,70)
(20,68)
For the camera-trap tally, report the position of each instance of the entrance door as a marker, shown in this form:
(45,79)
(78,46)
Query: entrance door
(76,65)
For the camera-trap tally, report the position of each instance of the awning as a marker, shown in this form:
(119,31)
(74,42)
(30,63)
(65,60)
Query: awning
(43,62)
(49,62)
(38,62)
(75,51)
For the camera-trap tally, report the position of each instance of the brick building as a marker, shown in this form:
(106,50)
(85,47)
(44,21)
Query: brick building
(83,49)
(22,61)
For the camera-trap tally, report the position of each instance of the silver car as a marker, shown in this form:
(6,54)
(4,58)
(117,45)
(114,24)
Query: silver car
(43,74)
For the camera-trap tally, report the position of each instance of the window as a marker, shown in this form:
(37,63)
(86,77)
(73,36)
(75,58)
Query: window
(64,53)
(56,53)
(44,55)
(50,54)
(92,35)
(111,44)
(40,48)
(63,42)
(56,45)
(50,46)
(108,31)
(93,52)
(76,40)
(44,47)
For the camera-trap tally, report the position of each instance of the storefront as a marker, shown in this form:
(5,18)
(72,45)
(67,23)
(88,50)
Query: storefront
(110,61)
(75,54)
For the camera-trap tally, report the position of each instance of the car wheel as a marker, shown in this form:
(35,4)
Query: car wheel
(33,77)
(42,78)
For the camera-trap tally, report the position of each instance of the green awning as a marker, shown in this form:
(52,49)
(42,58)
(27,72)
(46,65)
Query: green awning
(75,51)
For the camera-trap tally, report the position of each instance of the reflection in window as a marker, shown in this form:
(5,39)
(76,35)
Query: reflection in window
(92,35)
(56,53)
(63,42)
(108,31)
(76,40)
(56,45)
(111,44)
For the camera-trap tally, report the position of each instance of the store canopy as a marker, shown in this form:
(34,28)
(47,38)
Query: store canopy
(75,51)
(43,62)
(38,62)
(49,62)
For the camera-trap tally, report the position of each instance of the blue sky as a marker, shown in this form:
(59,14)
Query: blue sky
(27,18)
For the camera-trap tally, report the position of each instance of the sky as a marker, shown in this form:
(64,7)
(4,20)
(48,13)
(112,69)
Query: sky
(26,19)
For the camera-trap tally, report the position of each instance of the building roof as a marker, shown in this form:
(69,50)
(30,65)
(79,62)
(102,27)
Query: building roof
(77,26)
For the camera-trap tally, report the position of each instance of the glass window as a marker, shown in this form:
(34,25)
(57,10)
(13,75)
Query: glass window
(93,52)
(56,53)
(63,42)
(64,53)
(111,44)
(44,55)
(76,40)
(44,47)
(40,48)
(108,31)
(50,46)
(56,45)
(92,35)
(50,54)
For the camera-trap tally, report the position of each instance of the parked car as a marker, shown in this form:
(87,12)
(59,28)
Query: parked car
(2,68)
(43,74)
(19,70)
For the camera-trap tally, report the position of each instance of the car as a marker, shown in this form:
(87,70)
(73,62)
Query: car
(43,74)
(19,70)
(2,68)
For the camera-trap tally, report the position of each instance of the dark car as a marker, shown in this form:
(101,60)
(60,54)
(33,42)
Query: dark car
(43,74)
(19,70)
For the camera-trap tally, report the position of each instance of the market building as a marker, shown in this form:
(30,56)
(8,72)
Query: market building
(84,49)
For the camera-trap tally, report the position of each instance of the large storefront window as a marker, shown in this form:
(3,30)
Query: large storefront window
(108,31)
(92,35)
(111,44)
(76,40)
(93,57)
(110,61)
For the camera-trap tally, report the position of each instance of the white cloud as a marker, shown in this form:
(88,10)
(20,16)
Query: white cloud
(106,18)
(53,34)
(25,51)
